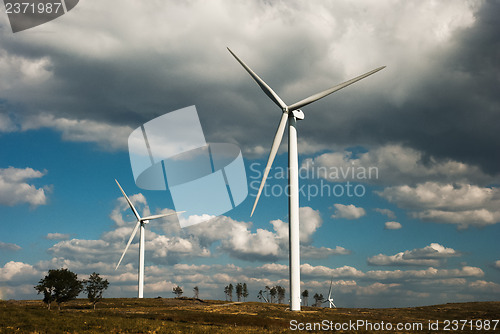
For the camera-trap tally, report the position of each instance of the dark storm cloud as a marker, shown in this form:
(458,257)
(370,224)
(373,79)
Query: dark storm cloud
(453,111)
(438,93)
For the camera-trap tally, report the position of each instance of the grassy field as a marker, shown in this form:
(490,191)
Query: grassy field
(161,315)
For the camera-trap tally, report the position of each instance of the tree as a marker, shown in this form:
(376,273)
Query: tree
(305,294)
(230,292)
(177,290)
(318,299)
(273,293)
(245,292)
(239,291)
(196,292)
(94,287)
(267,289)
(281,293)
(59,285)
(261,296)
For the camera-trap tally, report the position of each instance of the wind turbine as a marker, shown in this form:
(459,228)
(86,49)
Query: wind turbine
(292,113)
(141,221)
(330,299)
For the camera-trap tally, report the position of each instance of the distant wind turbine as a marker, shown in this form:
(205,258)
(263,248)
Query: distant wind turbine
(140,223)
(330,299)
(292,113)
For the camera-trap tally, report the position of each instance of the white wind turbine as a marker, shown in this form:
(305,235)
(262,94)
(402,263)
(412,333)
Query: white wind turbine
(292,113)
(330,299)
(140,223)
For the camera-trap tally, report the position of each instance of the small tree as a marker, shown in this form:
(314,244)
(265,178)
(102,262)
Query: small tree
(318,299)
(177,290)
(60,285)
(230,291)
(273,291)
(196,292)
(261,296)
(245,292)
(239,291)
(267,289)
(281,293)
(94,287)
(305,294)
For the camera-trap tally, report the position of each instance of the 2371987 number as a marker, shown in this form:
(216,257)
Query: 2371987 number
(479,325)
(32,8)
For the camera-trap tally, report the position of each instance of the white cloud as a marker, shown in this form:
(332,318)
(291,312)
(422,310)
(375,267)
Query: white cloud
(311,252)
(399,260)
(461,204)
(392,226)
(485,286)
(9,246)
(375,289)
(107,136)
(497,264)
(18,272)
(239,241)
(57,236)
(14,188)
(348,211)
(389,213)
(322,271)
(429,273)
(6,124)
(82,250)
(431,255)
(391,165)
(21,73)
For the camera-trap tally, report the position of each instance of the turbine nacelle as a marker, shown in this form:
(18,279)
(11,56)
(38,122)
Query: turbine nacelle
(298,114)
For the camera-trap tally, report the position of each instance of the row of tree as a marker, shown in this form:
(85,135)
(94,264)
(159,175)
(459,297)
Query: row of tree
(62,285)
(177,291)
(318,298)
(274,294)
(240,289)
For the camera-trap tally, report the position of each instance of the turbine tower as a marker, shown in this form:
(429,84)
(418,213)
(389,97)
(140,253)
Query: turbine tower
(140,223)
(292,113)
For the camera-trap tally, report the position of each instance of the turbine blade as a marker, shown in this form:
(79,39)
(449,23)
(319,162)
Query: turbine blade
(330,291)
(160,216)
(129,202)
(129,242)
(329,91)
(264,86)
(272,155)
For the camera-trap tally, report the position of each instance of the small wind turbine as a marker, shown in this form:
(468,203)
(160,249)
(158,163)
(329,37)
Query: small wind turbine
(330,299)
(140,223)
(292,113)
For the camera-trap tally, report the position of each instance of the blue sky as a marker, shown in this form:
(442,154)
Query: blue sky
(423,232)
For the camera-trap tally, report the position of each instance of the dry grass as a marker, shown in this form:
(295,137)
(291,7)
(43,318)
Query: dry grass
(195,316)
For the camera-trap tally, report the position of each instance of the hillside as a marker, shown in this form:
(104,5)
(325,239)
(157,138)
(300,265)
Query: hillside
(161,315)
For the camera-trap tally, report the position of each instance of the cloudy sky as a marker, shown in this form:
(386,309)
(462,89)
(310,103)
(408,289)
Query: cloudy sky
(401,171)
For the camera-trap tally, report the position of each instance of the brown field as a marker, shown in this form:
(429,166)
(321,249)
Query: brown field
(186,315)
